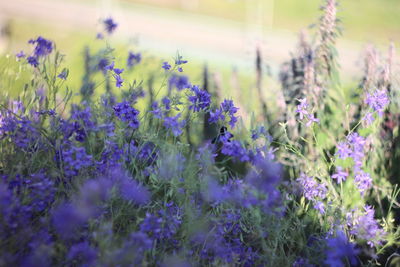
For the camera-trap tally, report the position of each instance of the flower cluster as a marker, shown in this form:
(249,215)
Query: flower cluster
(126,113)
(304,112)
(43,47)
(226,108)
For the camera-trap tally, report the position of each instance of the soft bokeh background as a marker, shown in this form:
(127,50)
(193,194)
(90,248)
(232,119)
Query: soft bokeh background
(221,33)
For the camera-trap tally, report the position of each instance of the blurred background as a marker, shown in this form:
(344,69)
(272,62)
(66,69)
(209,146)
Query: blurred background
(224,34)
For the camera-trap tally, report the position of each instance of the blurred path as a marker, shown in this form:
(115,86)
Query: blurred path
(164,32)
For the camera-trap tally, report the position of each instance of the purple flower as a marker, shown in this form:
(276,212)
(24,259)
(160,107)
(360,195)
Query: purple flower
(378,101)
(75,159)
(340,175)
(363,181)
(236,150)
(103,65)
(83,254)
(302,108)
(43,47)
(216,116)
(180,61)
(110,25)
(118,71)
(156,110)
(131,190)
(311,188)
(67,220)
(173,124)
(364,226)
(340,250)
(63,75)
(166,66)
(343,150)
(320,207)
(133,59)
(311,120)
(126,113)
(99,36)
(167,103)
(33,61)
(20,54)
(200,101)
(179,82)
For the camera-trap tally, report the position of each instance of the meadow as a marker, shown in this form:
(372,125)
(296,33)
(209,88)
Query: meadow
(121,158)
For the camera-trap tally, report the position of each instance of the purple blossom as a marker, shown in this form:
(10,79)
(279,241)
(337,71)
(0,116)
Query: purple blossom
(156,110)
(166,66)
(67,220)
(82,253)
(109,25)
(340,250)
(75,159)
(33,61)
(343,150)
(365,227)
(312,190)
(126,113)
(216,116)
(179,82)
(340,175)
(20,54)
(118,81)
(200,100)
(302,108)
(173,124)
(378,101)
(320,207)
(363,181)
(63,75)
(118,71)
(43,47)
(167,103)
(133,59)
(236,150)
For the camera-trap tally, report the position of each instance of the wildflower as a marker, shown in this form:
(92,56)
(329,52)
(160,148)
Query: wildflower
(43,47)
(82,253)
(133,59)
(20,54)
(103,65)
(236,150)
(363,181)
(340,250)
(312,189)
(126,113)
(174,124)
(364,226)
(33,61)
(118,71)
(63,75)
(320,207)
(343,150)
(180,61)
(110,25)
(179,82)
(378,100)
(302,108)
(67,220)
(200,101)
(340,175)
(167,103)
(311,120)
(166,65)
(99,36)
(156,110)
(76,159)
(216,116)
